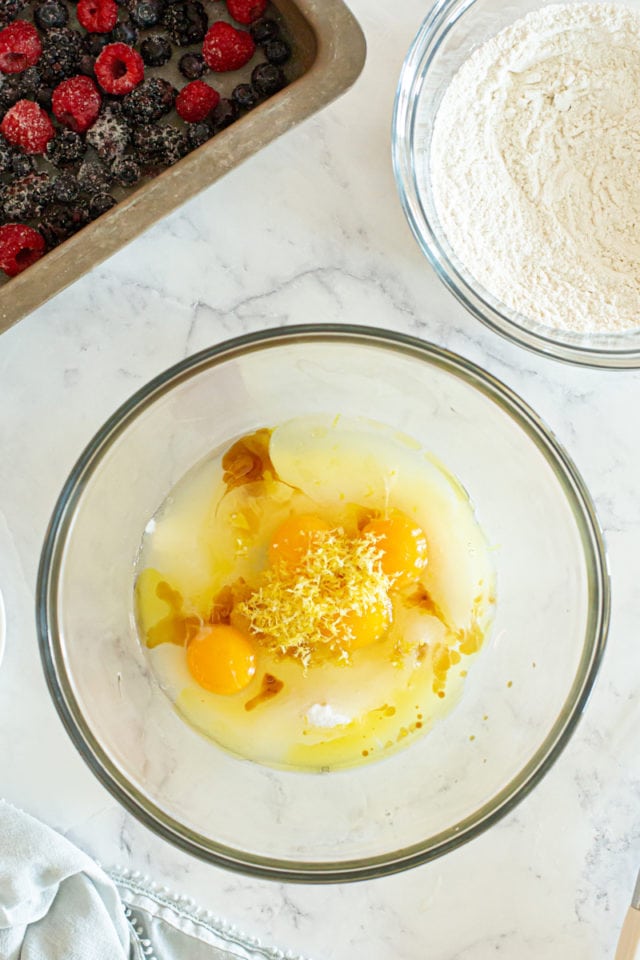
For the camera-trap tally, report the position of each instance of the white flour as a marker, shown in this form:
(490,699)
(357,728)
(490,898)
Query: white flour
(535,166)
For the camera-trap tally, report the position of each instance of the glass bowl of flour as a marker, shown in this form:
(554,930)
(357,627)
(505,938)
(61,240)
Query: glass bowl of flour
(516,151)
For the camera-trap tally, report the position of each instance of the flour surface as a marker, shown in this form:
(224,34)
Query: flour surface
(535,165)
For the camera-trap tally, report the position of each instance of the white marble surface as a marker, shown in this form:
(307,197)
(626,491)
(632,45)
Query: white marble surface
(311,229)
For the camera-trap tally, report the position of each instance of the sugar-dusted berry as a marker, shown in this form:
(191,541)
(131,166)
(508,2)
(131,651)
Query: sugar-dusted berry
(227,48)
(97,16)
(76,103)
(196,100)
(26,125)
(246,11)
(20,47)
(119,68)
(20,246)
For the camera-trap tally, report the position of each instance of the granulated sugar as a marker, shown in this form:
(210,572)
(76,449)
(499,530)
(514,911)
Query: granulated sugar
(535,166)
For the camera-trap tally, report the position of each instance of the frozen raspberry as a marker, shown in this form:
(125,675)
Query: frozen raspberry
(196,100)
(76,103)
(119,68)
(20,47)
(97,16)
(246,11)
(226,48)
(20,246)
(27,126)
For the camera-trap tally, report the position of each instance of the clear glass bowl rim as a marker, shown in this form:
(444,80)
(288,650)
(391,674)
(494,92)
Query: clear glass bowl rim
(425,46)
(51,646)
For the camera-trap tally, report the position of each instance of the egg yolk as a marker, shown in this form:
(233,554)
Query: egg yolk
(365,628)
(403,546)
(293,538)
(221,659)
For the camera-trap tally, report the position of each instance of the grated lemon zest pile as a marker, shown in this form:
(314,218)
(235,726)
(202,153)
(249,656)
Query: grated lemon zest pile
(297,611)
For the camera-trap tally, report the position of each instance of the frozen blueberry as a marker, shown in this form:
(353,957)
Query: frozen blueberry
(264,30)
(50,14)
(155,50)
(277,52)
(192,66)
(147,13)
(124,32)
(245,96)
(267,79)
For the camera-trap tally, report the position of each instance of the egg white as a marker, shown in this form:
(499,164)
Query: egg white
(332,715)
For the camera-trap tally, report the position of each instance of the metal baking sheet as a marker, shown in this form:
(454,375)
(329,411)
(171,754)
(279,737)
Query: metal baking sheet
(329,53)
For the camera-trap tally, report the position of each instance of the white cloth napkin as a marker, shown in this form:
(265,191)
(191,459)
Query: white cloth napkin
(57,904)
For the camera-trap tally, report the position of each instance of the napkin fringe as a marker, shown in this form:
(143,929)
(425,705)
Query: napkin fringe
(142,885)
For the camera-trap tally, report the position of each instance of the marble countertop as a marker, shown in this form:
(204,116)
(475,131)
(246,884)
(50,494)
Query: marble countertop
(282,241)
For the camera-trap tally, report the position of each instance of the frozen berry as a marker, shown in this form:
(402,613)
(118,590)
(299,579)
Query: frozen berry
(61,52)
(186,23)
(6,155)
(267,79)
(100,203)
(66,148)
(119,68)
(43,97)
(97,16)
(246,11)
(192,66)
(197,134)
(277,52)
(245,96)
(27,126)
(109,135)
(94,43)
(226,48)
(125,32)
(155,50)
(59,222)
(65,188)
(9,10)
(31,81)
(264,30)
(196,100)
(160,146)
(11,91)
(147,13)
(52,13)
(150,101)
(20,246)
(26,197)
(76,103)
(87,64)
(93,177)
(20,47)
(21,165)
(224,114)
(126,171)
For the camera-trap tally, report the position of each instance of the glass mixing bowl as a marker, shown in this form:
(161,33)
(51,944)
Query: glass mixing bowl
(523,695)
(446,39)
